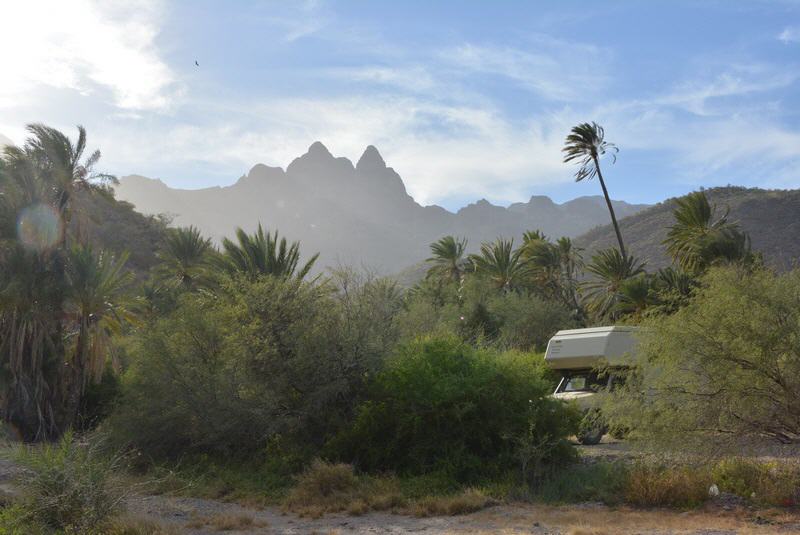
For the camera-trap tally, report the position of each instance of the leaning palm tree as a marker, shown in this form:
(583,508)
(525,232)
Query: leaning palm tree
(610,270)
(262,253)
(448,260)
(184,257)
(500,263)
(701,236)
(585,145)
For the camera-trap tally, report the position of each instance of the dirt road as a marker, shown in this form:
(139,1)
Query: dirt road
(196,516)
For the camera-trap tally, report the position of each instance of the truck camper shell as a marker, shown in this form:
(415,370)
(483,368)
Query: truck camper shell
(573,349)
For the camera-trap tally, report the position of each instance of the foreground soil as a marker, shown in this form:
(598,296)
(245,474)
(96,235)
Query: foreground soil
(197,516)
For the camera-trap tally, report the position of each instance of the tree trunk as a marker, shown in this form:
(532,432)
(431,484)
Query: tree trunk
(610,209)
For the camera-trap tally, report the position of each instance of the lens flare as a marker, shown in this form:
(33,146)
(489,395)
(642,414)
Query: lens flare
(38,227)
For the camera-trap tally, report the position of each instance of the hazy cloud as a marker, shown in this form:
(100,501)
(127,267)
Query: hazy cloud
(85,47)
(790,34)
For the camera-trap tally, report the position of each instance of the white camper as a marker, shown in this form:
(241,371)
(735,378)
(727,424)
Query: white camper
(578,354)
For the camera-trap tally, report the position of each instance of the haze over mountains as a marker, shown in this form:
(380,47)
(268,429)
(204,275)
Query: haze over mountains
(355,214)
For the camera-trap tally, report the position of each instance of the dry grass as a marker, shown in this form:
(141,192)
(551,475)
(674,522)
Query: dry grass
(666,486)
(332,488)
(466,502)
(581,520)
(226,522)
(131,525)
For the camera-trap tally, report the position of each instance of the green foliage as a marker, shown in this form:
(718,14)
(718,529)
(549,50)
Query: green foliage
(765,483)
(724,366)
(60,300)
(70,486)
(578,483)
(527,322)
(441,405)
(262,253)
(699,239)
(184,257)
(265,357)
(448,261)
(501,264)
(610,271)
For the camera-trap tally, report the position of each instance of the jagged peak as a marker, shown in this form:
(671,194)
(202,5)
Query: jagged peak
(371,159)
(318,149)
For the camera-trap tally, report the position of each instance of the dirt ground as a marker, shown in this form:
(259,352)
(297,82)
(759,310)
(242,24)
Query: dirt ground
(205,517)
(195,516)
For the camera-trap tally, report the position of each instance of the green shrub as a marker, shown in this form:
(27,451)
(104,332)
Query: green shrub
(225,374)
(70,486)
(766,483)
(729,361)
(597,482)
(442,405)
(527,322)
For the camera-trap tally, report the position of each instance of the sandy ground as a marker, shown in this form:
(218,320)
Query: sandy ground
(195,516)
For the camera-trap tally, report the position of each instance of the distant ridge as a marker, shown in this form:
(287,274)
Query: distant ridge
(355,214)
(771,217)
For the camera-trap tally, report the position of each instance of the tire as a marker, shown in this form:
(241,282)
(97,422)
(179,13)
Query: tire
(592,428)
(591,438)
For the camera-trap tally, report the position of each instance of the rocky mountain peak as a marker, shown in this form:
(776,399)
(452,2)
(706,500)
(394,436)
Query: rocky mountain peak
(371,160)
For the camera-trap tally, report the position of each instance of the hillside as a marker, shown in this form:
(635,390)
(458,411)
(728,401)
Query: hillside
(771,217)
(115,226)
(354,214)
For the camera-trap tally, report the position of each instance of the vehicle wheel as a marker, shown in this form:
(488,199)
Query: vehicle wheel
(592,428)
(591,438)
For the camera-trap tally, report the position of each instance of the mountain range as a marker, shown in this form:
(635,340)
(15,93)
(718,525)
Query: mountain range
(355,214)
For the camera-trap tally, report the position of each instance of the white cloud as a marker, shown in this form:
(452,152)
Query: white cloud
(87,47)
(440,150)
(790,34)
(552,68)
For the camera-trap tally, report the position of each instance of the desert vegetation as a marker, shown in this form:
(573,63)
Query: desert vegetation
(240,374)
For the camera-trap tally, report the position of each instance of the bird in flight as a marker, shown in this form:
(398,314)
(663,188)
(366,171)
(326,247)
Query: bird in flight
(195,62)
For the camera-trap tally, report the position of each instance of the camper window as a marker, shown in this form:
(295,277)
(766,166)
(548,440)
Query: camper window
(583,382)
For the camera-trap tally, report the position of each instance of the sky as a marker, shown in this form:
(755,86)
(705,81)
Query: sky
(465,99)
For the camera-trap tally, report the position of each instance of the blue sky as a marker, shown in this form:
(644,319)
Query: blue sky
(464,99)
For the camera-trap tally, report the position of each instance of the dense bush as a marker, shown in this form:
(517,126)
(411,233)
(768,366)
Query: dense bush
(725,366)
(224,373)
(766,483)
(442,405)
(480,314)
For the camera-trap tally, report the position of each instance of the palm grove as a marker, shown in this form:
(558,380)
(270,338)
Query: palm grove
(236,350)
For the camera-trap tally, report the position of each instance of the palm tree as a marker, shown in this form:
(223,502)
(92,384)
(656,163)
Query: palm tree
(39,285)
(184,256)
(500,263)
(61,166)
(637,294)
(610,270)
(700,237)
(262,253)
(448,259)
(585,145)
(675,288)
(96,307)
(31,294)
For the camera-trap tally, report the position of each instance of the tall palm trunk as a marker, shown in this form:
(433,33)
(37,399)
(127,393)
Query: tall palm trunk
(610,208)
